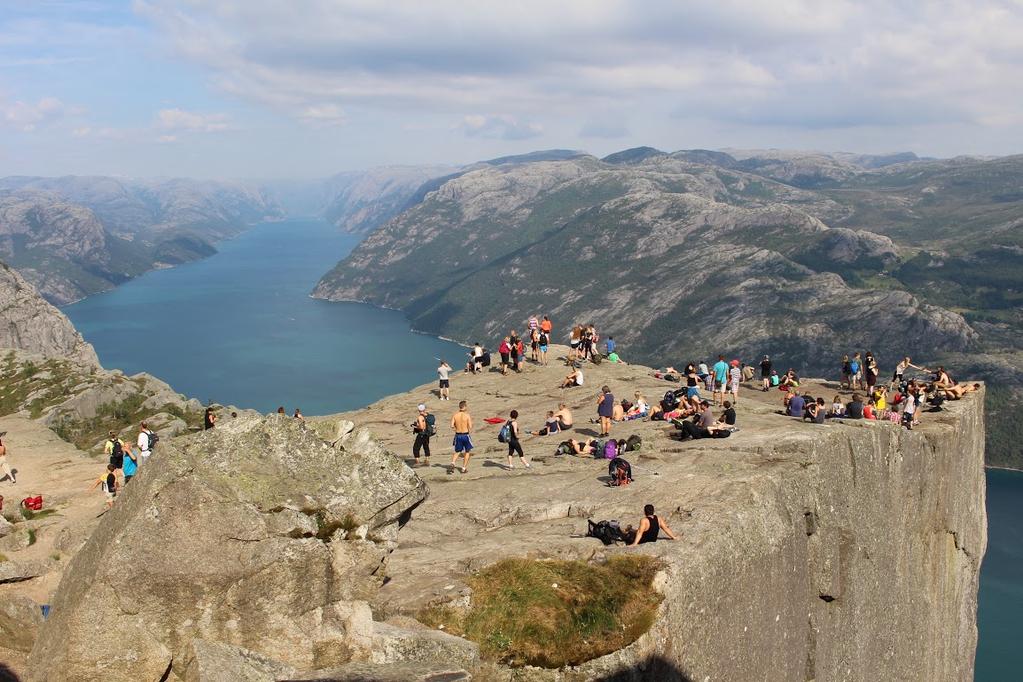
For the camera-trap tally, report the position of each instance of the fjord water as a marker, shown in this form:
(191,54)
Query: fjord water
(1000,616)
(239,327)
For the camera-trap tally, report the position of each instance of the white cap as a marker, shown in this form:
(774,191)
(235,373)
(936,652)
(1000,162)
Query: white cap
(422,407)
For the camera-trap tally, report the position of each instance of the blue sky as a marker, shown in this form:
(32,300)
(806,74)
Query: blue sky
(264,88)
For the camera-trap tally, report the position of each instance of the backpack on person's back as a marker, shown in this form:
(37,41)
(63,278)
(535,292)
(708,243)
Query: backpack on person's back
(153,437)
(116,453)
(504,435)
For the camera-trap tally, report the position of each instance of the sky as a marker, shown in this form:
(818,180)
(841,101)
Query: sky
(307,88)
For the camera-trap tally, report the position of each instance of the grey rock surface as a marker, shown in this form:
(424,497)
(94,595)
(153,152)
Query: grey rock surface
(29,323)
(20,619)
(194,549)
(216,662)
(16,571)
(844,551)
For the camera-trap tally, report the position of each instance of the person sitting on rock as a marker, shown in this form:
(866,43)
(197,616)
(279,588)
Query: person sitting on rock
(564,415)
(640,408)
(854,410)
(650,528)
(837,407)
(728,416)
(550,425)
(573,379)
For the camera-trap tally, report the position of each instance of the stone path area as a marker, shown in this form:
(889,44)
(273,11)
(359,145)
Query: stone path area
(471,520)
(44,464)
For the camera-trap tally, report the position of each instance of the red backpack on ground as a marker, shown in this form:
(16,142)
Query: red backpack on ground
(33,503)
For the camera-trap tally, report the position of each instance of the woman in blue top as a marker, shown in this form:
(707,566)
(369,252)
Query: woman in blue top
(605,410)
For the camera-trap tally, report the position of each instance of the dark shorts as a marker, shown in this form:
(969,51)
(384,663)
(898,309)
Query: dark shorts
(462,442)
(445,383)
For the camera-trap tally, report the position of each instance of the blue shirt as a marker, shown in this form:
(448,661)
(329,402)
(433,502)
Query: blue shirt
(130,466)
(797,406)
(720,371)
(610,346)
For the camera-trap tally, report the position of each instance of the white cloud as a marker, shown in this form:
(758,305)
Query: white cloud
(499,126)
(885,63)
(27,117)
(323,114)
(181,121)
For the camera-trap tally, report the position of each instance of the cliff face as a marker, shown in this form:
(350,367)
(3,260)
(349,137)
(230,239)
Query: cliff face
(845,551)
(27,322)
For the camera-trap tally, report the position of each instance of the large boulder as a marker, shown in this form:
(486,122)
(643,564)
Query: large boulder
(257,534)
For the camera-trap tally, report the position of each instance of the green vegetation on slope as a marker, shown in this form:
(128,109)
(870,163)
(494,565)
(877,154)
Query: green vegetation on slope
(554,613)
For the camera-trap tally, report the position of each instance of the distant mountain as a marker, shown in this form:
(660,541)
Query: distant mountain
(74,236)
(361,201)
(803,255)
(632,156)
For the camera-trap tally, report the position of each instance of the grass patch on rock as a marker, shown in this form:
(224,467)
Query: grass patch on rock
(554,613)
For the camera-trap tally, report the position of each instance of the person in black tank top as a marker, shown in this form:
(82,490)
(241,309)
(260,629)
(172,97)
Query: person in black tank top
(650,527)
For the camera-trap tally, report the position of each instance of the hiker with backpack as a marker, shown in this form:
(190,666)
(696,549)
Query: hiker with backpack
(504,348)
(544,341)
(650,528)
(424,427)
(510,433)
(146,442)
(108,481)
(114,449)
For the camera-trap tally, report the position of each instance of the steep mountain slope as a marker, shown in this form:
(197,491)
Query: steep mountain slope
(696,252)
(29,323)
(76,236)
(361,201)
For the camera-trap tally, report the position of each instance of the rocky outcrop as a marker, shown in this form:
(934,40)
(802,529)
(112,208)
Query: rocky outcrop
(845,551)
(27,322)
(257,534)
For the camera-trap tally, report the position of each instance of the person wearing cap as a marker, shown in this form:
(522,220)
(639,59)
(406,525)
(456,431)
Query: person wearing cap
(423,428)
(765,372)
(734,377)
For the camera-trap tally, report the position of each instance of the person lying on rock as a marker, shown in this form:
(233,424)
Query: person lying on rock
(650,528)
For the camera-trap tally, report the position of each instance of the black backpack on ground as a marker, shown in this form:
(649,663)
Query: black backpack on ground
(608,532)
(669,401)
(633,443)
(485,358)
(620,472)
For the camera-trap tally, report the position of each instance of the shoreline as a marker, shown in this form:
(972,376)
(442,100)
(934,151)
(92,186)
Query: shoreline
(992,466)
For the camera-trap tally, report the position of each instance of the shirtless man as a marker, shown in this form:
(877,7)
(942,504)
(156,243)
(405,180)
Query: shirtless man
(461,423)
(957,392)
(564,416)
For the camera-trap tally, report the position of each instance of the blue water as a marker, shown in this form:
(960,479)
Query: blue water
(1000,618)
(239,328)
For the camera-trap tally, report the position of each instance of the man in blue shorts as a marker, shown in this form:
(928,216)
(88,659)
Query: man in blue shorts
(461,423)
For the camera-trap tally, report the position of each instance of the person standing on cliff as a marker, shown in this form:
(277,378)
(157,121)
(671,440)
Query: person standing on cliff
(514,446)
(423,428)
(605,410)
(5,468)
(461,422)
(546,326)
(765,373)
(444,372)
(515,349)
(720,373)
(209,419)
